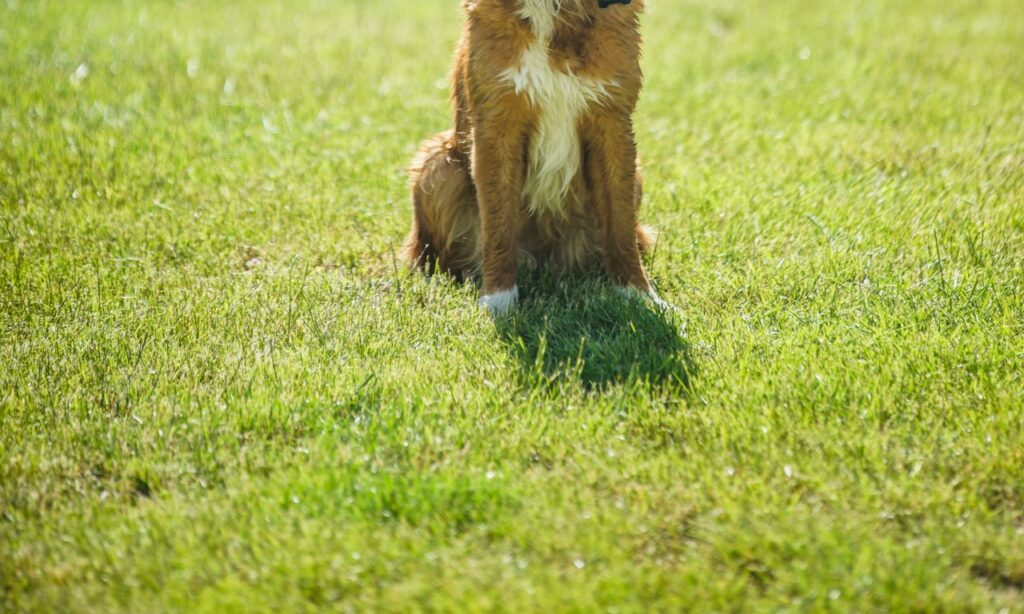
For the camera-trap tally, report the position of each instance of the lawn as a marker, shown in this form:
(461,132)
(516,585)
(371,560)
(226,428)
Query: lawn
(220,391)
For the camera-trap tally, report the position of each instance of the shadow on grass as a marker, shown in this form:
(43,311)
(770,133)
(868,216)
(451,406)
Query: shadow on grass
(566,326)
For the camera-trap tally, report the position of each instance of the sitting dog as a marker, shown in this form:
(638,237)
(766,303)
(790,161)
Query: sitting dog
(541,164)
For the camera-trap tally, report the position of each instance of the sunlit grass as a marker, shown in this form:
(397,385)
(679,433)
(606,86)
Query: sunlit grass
(219,391)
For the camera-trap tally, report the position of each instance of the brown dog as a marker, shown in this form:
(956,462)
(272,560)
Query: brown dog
(541,163)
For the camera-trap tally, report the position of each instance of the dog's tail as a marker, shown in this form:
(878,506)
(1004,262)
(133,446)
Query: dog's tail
(417,252)
(646,237)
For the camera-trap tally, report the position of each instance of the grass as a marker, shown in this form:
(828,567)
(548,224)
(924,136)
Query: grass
(217,391)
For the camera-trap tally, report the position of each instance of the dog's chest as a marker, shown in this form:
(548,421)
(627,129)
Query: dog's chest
(559,100)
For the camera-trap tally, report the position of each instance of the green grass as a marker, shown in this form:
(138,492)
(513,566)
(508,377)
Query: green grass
(217,390)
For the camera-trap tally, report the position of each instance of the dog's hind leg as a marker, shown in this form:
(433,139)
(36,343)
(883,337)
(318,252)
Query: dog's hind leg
(445,233)
(646,236)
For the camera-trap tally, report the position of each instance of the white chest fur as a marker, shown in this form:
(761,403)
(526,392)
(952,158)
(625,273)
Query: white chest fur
(560,99)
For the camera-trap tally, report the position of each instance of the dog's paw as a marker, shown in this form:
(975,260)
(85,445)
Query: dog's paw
(500,303)
(660,303)
(650,295)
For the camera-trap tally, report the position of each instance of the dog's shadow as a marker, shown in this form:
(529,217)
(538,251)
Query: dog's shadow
(566,327)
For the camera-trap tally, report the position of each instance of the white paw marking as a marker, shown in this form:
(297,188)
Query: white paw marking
(500,303)
(651,295)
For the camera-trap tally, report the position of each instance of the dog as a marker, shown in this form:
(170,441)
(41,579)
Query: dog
(540,165)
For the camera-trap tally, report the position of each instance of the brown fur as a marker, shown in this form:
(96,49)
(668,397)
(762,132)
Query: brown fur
(468,182)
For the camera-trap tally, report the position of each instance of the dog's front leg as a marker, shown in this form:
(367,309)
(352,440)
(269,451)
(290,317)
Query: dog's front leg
(612,177)
(499,171)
